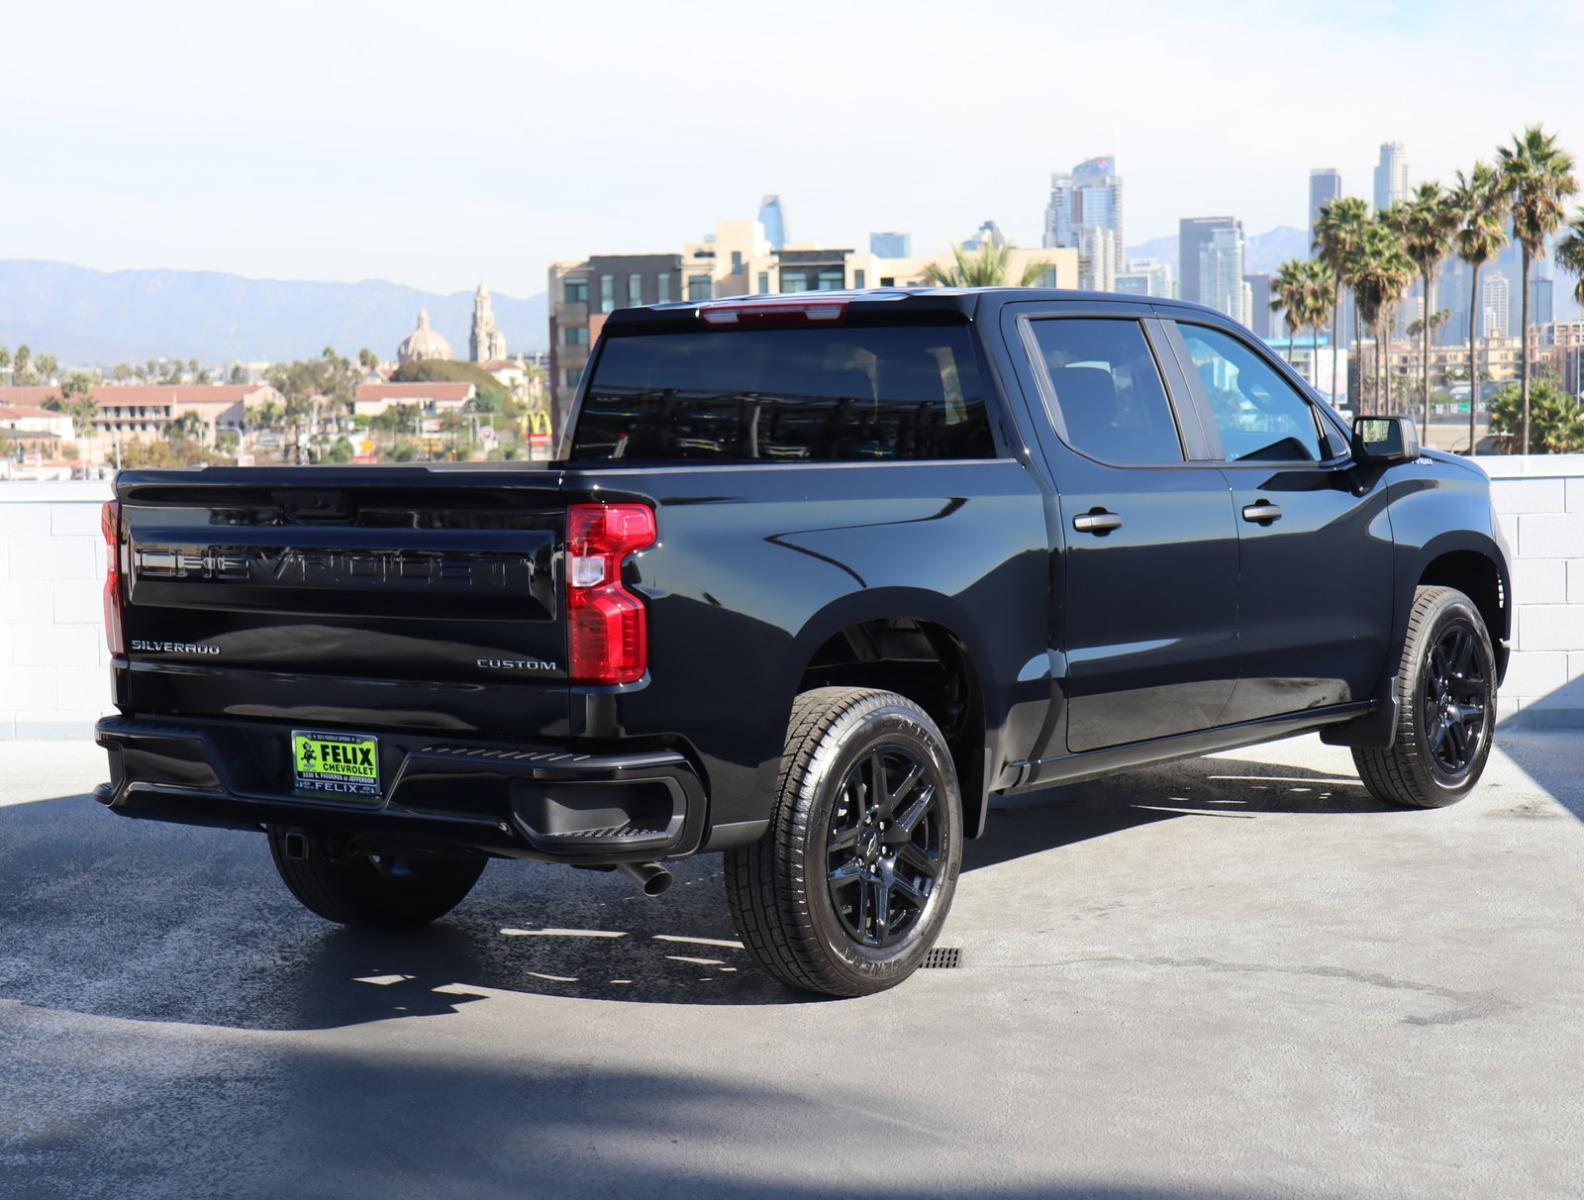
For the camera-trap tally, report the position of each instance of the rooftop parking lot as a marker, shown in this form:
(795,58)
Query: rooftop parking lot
(1235,976)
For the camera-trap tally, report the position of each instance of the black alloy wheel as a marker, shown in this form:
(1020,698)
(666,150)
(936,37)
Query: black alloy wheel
(1445,691)
(848,889)
(883,847)
(1453,701)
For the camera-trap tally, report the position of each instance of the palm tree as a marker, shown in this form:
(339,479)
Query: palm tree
(1319,307)
(989,267)
(1336,234)
(1481,202)
(1427,220)
(1381,271)
(1539,176)
(1289,296)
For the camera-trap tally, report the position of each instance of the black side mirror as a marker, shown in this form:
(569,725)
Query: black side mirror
(1385,439)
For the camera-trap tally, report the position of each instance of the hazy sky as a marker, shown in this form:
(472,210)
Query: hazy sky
(437,144)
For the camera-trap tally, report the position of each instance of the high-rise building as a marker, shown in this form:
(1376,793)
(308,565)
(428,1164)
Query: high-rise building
(1261,319)
(773,218)
(1325,185)
(1193,233)
(1495,305)
(988,234)
(1221,282)
(891,245)
(1391,176)
(1542,309)
(1097,259)
(1085,210)
(486,342)
(1147,277)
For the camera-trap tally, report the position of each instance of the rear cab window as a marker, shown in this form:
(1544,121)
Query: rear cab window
(798,393)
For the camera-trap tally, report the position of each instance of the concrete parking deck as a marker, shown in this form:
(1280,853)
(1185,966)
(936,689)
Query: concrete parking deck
(1229,977)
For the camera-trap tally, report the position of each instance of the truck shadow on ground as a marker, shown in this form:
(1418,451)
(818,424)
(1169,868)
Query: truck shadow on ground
(184,924)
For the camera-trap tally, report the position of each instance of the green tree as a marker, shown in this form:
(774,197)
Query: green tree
(368,360)
(121,373)
(1570,254)
(188,427)
(1427,220)
(1480,198)
(77,402)
(238,375)
(1380,271)
(1539,177)
(492,395)
(22,365)
(310,388)
(1551,415)
(1289,296)
(989,266)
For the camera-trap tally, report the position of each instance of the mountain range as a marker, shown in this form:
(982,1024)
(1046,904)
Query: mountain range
(1262,253)
(86,317)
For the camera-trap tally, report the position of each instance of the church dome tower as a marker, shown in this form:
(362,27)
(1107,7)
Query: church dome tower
(422,342)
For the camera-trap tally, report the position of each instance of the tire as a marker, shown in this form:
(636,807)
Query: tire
(844,895)
(376,891)
(1446,710)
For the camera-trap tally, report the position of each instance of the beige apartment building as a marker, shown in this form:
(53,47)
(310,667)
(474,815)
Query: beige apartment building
(736,260)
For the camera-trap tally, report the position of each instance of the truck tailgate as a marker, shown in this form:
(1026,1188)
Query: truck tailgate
(398,598)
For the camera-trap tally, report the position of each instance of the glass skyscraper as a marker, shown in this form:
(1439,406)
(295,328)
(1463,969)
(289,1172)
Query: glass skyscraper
(773,220)
(1085,211)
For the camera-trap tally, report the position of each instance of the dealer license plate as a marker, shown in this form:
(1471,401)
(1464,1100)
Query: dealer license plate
(340,764)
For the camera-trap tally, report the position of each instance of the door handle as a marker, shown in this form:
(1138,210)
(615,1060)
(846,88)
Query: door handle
(1262,513)
(1097,521)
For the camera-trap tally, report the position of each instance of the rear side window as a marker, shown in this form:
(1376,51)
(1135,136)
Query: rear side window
(1108,390)
(903,392)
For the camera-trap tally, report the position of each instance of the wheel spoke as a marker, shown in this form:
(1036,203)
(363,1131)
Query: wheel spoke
(908,820)
(918,859)
(893,798)
(844,875)
(1439,735)
(846,839)
(905,889)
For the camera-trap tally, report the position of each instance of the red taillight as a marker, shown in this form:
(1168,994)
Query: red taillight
(607,627)
(110,523)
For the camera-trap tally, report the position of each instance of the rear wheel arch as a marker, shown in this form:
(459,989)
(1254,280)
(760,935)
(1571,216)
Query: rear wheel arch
(925,659)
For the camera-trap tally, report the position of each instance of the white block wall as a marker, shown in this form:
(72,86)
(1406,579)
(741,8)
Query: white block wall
(54,671)
(54,674)
(1540,502)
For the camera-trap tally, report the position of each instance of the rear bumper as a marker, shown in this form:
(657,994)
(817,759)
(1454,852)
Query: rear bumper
(535,802)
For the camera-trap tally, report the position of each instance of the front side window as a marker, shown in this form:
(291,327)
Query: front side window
(903,392)
(1108,390)
(1262,417)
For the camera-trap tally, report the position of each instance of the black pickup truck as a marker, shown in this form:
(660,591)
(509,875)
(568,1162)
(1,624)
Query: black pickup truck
(814,579)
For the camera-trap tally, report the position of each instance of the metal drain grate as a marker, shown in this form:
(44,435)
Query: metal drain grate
(943,958)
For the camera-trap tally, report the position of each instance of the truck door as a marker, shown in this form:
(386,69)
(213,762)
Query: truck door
(1315,546)
(1149,592)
